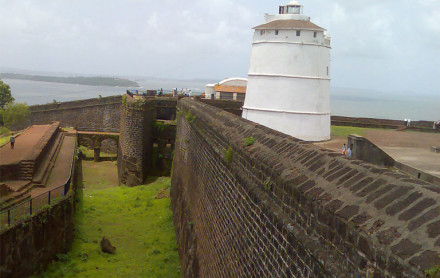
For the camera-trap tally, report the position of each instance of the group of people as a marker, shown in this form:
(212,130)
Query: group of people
(435,125)
(346,151)
(183,92)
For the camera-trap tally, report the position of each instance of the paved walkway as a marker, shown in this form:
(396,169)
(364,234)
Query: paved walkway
(406,147)
(23,145)
(61,170)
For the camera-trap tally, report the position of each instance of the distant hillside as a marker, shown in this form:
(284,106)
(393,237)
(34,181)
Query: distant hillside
(91,81)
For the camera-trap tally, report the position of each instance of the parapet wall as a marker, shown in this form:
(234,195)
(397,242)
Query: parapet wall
(232,106)
(381,123)
(91,113)
(32,243)
(279,207)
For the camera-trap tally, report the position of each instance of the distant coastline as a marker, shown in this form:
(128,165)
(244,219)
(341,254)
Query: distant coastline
(79,80)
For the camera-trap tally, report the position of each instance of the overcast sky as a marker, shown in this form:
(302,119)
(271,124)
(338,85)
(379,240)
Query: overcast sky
(385,45)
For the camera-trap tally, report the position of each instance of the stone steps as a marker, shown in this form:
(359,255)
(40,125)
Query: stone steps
(26,170)
(5,189)
(17,196)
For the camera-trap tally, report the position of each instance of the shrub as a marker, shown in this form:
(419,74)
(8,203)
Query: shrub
(14,114)
(249,141)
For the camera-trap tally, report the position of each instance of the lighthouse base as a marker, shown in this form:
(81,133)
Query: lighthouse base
(305,126)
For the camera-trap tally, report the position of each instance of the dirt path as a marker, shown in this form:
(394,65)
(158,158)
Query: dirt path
(410,148)
(23,145)
(402,139)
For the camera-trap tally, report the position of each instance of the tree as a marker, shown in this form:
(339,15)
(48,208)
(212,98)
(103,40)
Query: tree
(14,114)
(5,94)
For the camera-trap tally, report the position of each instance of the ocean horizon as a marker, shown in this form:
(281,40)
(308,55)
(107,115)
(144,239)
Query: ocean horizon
(343,101)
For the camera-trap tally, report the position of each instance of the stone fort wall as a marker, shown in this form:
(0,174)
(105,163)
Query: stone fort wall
(91,113)
(135,141)
(279,207)
(32,243)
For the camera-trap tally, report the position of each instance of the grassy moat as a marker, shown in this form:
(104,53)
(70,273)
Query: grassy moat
(138,221)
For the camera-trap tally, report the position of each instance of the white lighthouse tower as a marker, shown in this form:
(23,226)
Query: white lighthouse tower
(289,76)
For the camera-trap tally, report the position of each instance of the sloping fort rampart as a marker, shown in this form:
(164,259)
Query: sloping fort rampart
(278,207)
(250,201)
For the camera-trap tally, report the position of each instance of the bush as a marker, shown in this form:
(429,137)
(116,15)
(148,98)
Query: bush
(249,141)
(4,131)
(14,114)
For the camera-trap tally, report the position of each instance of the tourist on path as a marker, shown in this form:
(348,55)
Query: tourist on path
(348,152)
(12,140)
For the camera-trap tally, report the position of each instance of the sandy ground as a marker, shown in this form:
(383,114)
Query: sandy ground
(411,148)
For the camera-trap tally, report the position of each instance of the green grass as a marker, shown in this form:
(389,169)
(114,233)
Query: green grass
(139,226)
(4,135)
(344,131)
(90,153)
(4,140)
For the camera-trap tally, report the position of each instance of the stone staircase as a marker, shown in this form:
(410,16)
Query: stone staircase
(18,191)
(26,170)
(5,189)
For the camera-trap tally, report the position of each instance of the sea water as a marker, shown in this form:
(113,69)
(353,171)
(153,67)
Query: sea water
(343,101)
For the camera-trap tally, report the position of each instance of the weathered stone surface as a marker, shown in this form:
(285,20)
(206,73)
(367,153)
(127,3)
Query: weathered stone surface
(401,205)
(284,208)
(31,244)
(426,260)
(406,248)
(428,216)
(91,113)
(417,209)
(391,196)
(388,236)
(348,211)
(434,229)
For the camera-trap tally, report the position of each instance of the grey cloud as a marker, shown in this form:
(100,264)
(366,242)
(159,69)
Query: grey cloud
(376,43)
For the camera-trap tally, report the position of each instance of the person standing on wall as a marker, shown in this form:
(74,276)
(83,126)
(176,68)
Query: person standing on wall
(12,140)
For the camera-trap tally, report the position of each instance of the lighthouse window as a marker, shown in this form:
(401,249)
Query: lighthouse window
(276,32)
(298,33)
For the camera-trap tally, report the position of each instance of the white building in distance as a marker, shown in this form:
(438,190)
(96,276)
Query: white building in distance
(289,76)
(227,89)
